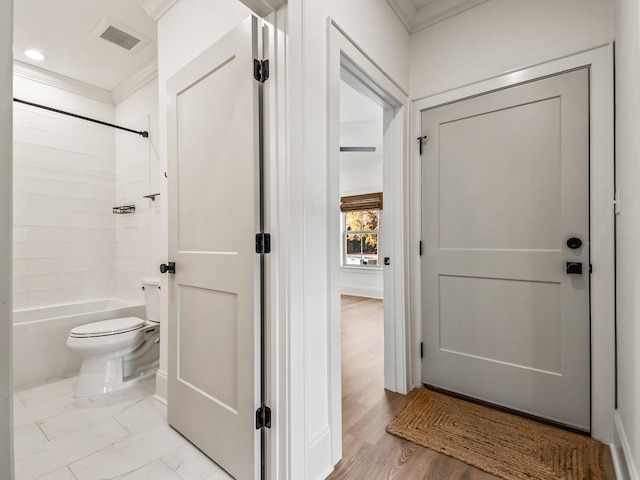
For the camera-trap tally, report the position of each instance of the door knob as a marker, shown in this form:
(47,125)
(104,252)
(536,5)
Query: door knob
(574,268)
(574,243)
(168,267)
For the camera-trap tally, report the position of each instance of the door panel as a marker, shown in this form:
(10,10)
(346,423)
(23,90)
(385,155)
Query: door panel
(214,211)
(505,184)
(479,211)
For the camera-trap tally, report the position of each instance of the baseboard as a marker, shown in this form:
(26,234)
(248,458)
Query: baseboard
(319,464)
(623,462)
(357,291)
(162,381)
(160,400)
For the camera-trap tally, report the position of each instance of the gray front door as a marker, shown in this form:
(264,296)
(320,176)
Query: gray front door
(505,186)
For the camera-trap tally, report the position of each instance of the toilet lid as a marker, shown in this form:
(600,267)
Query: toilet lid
(108,327)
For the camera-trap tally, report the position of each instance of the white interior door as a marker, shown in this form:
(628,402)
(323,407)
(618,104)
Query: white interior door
(505,186)
(214,215)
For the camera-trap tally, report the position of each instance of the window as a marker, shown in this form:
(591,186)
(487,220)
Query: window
(361,229)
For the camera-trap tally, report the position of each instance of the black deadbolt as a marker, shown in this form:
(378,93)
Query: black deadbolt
(574,243)
(574,268)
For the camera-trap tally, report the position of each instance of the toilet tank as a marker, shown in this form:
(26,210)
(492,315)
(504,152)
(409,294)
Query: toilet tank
(151,287)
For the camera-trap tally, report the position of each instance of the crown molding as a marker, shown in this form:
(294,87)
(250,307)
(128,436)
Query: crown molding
(46,77)
(440,10)
(157,8)
(416,19)
(406,12)
(264,7)
(135,82)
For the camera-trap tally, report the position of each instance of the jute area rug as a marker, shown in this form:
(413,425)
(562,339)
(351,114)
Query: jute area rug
(502,444)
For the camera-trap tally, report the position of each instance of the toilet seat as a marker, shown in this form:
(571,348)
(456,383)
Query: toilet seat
(114,326)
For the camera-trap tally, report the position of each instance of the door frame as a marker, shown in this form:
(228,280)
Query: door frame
(346,61)
(6,240)
(602,302)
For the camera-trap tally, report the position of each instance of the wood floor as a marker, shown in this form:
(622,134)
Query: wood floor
(369,453)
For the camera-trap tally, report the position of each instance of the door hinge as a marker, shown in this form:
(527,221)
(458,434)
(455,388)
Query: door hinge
(263,243)
(616,202)
(421,350)
(263,417)
(590,268)
(420,141)
(261,70)
(420,247)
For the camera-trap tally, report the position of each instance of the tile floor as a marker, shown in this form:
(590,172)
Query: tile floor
(122,435)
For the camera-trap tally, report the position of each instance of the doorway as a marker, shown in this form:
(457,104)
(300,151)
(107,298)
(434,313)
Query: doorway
(601,213)
(165,433)
(349,65)
(216,305)
(362,267)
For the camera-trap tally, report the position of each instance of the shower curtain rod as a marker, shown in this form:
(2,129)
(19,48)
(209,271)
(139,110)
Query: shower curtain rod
(143,134)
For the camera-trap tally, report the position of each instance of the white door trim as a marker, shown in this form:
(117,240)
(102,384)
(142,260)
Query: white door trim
(6,240)
(347,61)
(600,62)
(275,168)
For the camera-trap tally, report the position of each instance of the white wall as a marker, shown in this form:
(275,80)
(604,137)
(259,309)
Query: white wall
(503,35)
(376,29)
(360,172)
(137,173)
(184,32)
(363,175)
(628,230)
(6,145)
(63,194)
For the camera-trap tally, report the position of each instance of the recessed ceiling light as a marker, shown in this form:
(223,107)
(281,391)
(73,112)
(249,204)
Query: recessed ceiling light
(34,54)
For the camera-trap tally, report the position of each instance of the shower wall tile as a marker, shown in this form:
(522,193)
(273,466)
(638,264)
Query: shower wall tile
(20,300)
(64,189)
(135,178)
(68,174)
(20,267)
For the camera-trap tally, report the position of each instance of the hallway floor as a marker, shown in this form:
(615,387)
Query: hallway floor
(369,453)
(122,435)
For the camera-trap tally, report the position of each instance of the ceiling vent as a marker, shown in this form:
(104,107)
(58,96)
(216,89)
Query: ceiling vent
(120,35)
(120,38)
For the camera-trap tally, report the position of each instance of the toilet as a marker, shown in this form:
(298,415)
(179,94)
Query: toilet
(121,351)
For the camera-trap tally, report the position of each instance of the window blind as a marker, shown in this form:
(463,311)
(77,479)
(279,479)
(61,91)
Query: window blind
(367,201)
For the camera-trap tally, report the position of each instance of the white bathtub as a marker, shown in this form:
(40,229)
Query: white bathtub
(39,336)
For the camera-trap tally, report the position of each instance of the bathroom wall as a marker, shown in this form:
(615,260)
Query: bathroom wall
(64,239)
(137,173)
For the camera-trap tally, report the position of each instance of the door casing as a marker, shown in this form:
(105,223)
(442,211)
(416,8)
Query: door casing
(601,116)
(349,63)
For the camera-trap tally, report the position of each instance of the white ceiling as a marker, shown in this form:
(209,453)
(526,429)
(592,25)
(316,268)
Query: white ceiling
(62,30)
(421,3)
(419,14)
